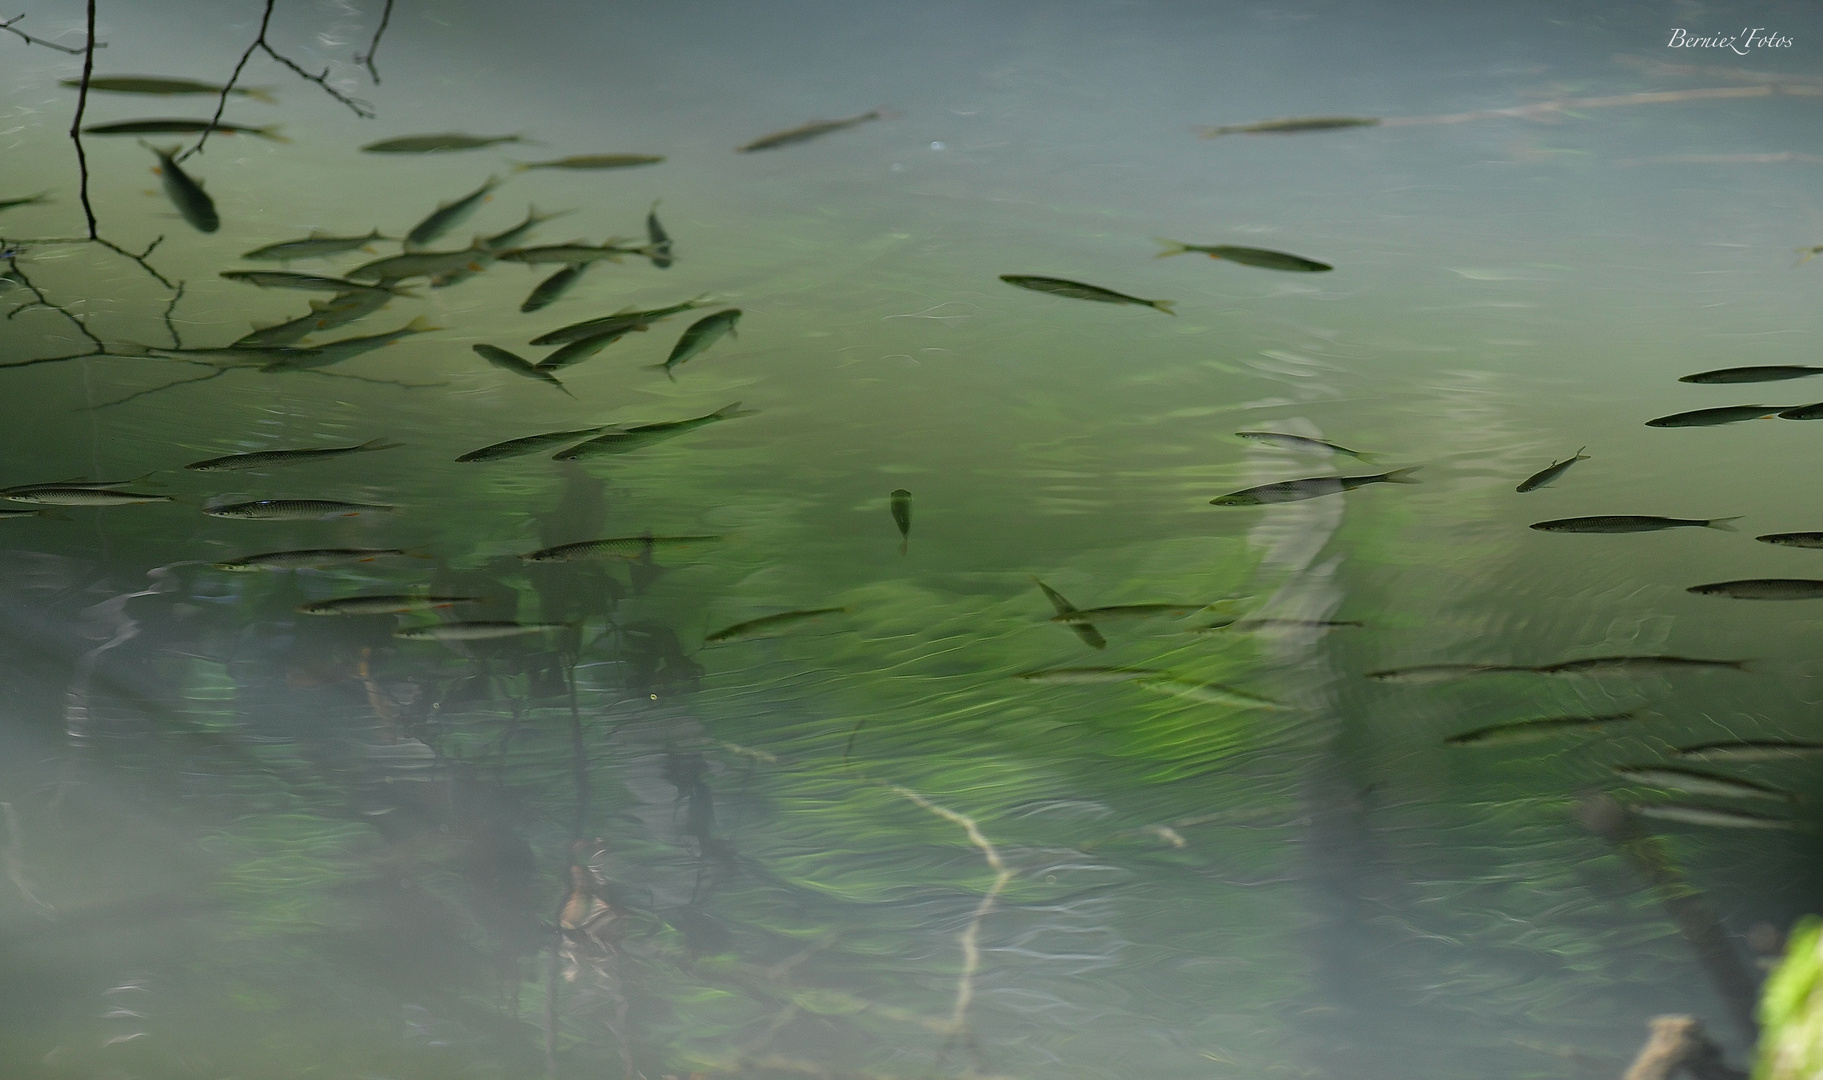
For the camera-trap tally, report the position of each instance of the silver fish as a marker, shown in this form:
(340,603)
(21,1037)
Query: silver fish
(1076,290)
(1086,633)
(1208,693)
(1699,783)
(701,334)
(1763,373)
(317,245)
(806,132)
(547,292)
(183,127)
(448,215)
(64,495)
(617,547)
(476,631)
(307,558)
(1424,674)
(583,348)
(1519,731)
(286,279)
(152,84)
(516,364)
(429,264)
(1311,488)
(1763,589)
(658,245)
(1247,256)
(1708,815)
(503,241)
(1290,125)
(185,193)
(1090,676)
(620,320)
(769,623)
(592,161)
(1635,665)
(438,144)
(293,509)
(1299,442)
(531,444)
(623,440)
(263,458)
(569,254)
(383,605)
(1632,523)
(1550,472)
(1727,414)
(1793,539)
(1751,750)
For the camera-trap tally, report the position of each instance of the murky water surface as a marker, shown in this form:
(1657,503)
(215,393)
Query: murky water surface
(244,841)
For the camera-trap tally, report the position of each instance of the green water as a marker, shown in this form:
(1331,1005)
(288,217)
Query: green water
(240,841)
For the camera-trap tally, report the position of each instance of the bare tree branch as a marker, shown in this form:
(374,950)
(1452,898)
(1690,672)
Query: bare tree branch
(82,104)
(18,275)
(372,46)
(30,40)
(141,258)
(171,327)
(216,374)
(361,108)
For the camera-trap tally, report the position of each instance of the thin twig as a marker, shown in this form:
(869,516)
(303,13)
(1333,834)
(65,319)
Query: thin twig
(18,275)
(140,258)
(374,45)
(30,40)
(361,108)
(176,341)
(216,374)
(82,104)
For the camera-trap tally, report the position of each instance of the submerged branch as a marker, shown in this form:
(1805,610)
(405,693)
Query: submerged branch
(374,45)
(30,40)
(259,43)
(82,105)
(15,274)
(216,374)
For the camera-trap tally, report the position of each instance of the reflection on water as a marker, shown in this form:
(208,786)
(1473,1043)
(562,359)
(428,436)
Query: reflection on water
(724,494)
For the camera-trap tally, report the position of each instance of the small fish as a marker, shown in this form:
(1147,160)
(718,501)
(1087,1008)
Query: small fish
(531,444)
(620,320)
(1765,373)
(504,241)
(516,364)
(1551,472)
(1707,815)
(1290,125)
(383,605)
(77,495)
(1299,442)
(1751,750)
(263,458)
(286,279)
(1631,523)
(152,84)
(182,127)
(1311,488)
(1090,676)
(1727,414)
(592,161)
(317,245)
(1763,589)
(618,547)
(438,144)
(1076,290)
(1425,674)
(184,192)
(570,254)
(806,132)
(1634,665)
(658,245)
(448,215)
(1245,625)
(1518,731)
(14,515)
(1809,253)
(1246,256)
(1116,612)
(701,334)
(431,264)
(26,489)
(1804,412)
(334,352)
(1209,693)
(766,624)
(293,509)
(1699,783)
(546,292)
(1793,539)
(476,631)
(307,558)
(578,351)
(37,200)
(901,511)
(634,438)
(1088,634)
(339,310)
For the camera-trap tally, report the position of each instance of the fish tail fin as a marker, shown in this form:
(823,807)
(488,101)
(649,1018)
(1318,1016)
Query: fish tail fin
(1401,476)
(1580,456)
(1808,253)
(271,132)
(1162,305)
(1722,523)
(1204,131)
(729,411)
(259,93)
(1172,247)
(420,325)
(381,443)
